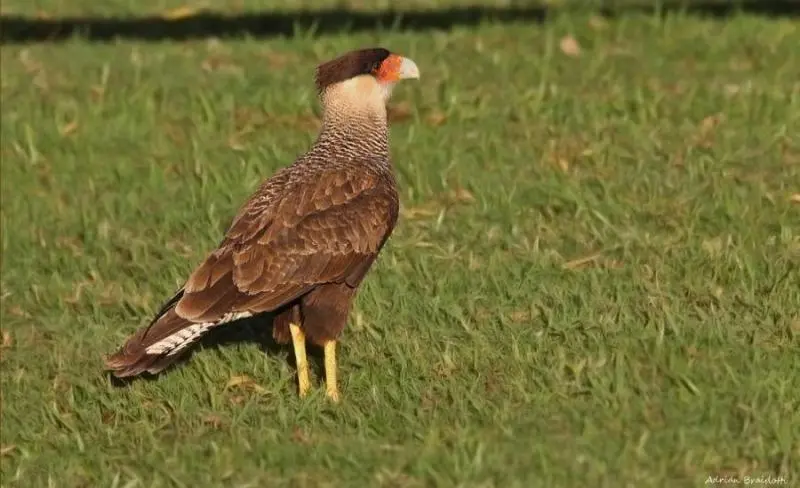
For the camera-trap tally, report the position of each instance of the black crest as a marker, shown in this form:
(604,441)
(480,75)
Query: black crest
(350,65)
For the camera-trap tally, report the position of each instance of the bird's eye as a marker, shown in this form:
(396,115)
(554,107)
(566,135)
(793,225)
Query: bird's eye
(374,67)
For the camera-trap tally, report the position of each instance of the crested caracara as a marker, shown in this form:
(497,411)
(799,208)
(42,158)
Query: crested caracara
(302,244)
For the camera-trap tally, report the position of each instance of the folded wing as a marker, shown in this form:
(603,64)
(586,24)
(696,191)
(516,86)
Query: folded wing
(281,246)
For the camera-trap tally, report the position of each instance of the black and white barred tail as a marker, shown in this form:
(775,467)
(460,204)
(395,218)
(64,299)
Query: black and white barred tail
(158,345)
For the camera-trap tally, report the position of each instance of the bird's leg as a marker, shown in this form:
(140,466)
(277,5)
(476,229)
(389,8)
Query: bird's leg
(299,343)
(331,389)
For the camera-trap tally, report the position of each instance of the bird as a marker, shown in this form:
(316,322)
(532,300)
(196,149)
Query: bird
(301,245)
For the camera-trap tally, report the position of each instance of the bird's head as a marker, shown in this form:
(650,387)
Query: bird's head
(364,77)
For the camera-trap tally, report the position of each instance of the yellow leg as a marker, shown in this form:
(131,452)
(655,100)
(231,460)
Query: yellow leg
(331,388)
(299,343)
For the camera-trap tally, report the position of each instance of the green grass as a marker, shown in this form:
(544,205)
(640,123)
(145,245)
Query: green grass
(594,281)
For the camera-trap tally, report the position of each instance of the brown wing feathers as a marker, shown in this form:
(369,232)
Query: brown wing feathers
(329,233)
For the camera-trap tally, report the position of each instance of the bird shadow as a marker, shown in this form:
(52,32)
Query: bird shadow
(253,330)
(19,29)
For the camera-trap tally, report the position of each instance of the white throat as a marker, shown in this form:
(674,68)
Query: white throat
(360,99)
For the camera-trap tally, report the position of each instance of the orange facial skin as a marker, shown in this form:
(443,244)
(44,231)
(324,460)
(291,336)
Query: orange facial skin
(389,70)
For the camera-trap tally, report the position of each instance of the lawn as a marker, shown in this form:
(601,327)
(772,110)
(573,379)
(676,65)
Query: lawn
(594,280)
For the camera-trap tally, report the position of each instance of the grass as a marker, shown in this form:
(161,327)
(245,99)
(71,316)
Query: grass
(594,281)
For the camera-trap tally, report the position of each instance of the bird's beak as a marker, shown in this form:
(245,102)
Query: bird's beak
(408,69)
(396,68)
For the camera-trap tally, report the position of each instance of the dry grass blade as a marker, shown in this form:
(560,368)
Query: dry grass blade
(569,46)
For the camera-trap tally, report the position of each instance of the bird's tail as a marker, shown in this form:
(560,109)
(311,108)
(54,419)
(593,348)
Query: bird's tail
(158,345)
